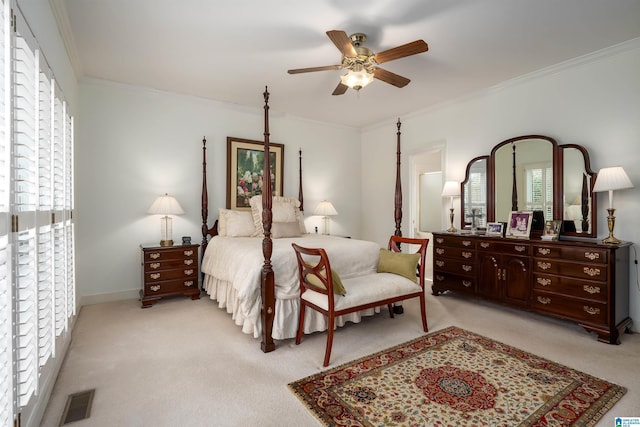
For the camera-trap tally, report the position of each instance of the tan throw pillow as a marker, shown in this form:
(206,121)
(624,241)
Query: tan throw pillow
(234,223)
(285,229)
(398,263)
(283,209)
(338,286)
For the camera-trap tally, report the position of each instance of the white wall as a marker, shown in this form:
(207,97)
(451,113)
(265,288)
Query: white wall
(133,145)
(594,102)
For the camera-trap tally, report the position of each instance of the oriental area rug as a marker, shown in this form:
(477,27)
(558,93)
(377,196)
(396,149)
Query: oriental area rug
(455,378)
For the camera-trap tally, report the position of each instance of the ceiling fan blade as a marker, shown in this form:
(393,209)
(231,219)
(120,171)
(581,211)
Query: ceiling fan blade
(408,49)
(391,78)
(340,89)
(312,69)
(342,42)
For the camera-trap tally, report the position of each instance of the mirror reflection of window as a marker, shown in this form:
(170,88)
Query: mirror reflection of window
(475,194)
(538,180)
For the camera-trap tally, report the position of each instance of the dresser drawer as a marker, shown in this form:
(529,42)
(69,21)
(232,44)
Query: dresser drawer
(456,266)
(504,247)
(574,308)
(596,291)
(454,241)
(455,252)
(173,253)
(454,282)
(572,269)
(169,286)
(170,264)
(590,255)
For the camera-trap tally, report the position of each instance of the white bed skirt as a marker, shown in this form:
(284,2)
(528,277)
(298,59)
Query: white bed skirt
(285,324)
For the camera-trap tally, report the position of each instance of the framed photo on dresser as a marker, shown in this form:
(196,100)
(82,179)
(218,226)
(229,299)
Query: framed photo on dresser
(519,225)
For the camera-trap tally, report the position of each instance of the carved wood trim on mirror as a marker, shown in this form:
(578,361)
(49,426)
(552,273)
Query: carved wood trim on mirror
(531,173)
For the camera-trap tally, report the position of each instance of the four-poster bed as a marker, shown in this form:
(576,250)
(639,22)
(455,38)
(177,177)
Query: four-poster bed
(264,299)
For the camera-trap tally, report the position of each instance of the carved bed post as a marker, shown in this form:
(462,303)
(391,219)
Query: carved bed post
(268,282)
(398,196)
(204,204)
(300,196)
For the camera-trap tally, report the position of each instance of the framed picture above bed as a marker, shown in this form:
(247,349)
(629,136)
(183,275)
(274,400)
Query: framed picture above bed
(245,170)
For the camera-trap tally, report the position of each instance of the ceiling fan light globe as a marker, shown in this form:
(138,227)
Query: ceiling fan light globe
(357,79)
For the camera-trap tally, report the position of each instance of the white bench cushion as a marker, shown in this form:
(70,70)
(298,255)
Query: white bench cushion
(365,289)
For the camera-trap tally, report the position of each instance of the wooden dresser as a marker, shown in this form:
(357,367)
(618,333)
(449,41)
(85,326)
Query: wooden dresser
(168,270)
(584,282)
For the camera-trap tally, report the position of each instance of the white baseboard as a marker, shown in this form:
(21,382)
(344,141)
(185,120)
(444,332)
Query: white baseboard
(114,296)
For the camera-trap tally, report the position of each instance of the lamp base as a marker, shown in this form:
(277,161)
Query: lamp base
(452,228)
(611,222)
(166,242)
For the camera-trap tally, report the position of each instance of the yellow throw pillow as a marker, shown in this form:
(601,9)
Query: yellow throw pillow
(398,263)
(338,286)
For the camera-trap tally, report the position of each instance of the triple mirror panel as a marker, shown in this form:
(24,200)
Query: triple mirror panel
(531,173)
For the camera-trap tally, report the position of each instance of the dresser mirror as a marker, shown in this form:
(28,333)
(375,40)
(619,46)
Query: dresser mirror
(531,173)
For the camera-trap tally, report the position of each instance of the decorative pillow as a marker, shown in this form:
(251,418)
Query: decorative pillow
(284,229)
(398,263)
(283,209)
(338,286)
(235,223)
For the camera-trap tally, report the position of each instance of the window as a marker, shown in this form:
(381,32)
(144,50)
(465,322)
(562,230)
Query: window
(37,266)
(539,191)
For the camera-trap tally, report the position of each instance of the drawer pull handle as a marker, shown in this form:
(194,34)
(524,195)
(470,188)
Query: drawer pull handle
(466,283)
(591,271)
(520,248)
(188,272)
(591,310)
(544,265)
(188,253)
(154,288)
(154,265)
(188,283)
(154,255)
(440,240)
(543,281)
(485,245)
(188,261)
(544,301)
(592,255)
(155,276)
(439,251)
(466,242)
(467,268)
(544,251)
(439,278)
(467,254)
(591,289)
(440,263)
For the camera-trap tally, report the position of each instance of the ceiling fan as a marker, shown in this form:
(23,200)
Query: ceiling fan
(362,63)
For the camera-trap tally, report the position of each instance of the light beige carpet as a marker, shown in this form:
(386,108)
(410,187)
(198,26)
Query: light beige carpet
(184,362)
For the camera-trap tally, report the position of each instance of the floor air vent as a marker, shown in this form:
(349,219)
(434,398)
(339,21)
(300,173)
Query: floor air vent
(78,407)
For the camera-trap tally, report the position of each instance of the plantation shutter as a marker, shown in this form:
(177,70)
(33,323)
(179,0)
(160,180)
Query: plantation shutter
(25,188)
(7,407)
(60,240)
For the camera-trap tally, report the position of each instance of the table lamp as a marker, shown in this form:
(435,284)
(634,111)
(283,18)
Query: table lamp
(325,209)
(610,179)
(451,189)
(165,205)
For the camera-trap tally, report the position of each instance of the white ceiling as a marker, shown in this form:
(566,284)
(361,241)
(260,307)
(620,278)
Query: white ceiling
(230,50)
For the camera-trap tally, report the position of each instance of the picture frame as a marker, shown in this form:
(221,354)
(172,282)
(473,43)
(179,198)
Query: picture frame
(495,229)
(519,225)
(551,229)
(245,165)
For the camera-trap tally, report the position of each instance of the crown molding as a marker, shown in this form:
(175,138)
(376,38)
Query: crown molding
(59,9)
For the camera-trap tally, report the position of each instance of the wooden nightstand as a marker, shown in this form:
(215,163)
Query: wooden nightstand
(169,270)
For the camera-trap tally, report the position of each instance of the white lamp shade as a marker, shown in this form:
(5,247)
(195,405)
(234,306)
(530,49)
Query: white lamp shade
(165,205)
(613,178)
(325,208)
(451,189)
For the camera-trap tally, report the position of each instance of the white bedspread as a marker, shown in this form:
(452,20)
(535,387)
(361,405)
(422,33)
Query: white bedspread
(233,268)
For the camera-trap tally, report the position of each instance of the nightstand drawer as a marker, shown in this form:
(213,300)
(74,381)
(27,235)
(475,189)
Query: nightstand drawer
(174,253)
(169,286)
(171,264)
